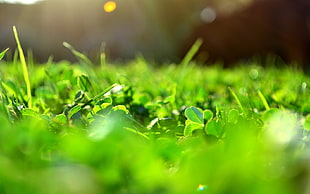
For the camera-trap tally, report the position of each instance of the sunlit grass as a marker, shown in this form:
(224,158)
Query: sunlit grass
(138,128)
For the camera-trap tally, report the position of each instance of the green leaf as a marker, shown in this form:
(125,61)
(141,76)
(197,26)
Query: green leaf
(44,92)
(120,108)
(194,114)
(79,96)
(105,100)
(307,122)
(171,98)
(270,113)
(215,128)
(190,127)
(74,110)
(207,115)
(84,83)
(11,88)
(29,112)
(163,124)
(233,116)
(3,53)
(61,119)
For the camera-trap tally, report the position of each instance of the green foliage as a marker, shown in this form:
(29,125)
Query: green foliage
(3,53)
(140,129)
(307,123)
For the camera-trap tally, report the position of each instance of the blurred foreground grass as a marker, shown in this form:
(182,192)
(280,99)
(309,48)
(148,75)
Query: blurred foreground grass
(135,128)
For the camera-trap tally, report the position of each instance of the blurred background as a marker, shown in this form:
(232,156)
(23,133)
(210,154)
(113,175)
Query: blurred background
(159,30)
(155,29)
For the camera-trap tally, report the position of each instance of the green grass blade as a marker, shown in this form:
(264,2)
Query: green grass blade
(98,96)
(3,53)
(187,59)
(80,56)
(262,97)
(137,132)
(191,53)
(237,99)
(24,66)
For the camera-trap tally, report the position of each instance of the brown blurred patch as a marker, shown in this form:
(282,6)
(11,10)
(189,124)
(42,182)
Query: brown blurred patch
(264,26)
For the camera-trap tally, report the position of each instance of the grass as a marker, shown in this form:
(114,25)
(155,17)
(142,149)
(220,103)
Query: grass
(137,128)
(24,66)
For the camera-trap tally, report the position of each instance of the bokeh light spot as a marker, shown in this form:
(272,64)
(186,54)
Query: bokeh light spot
(208,15)
(109,6)
(201,187)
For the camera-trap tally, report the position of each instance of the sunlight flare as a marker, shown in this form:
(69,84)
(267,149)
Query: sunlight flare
(109,6)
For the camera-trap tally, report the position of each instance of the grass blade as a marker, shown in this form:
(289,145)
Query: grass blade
(262,97)
(80,56)
(237,99)
(191,53)
(3,53)
(24,66)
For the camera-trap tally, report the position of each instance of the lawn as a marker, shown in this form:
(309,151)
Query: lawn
(143,128)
